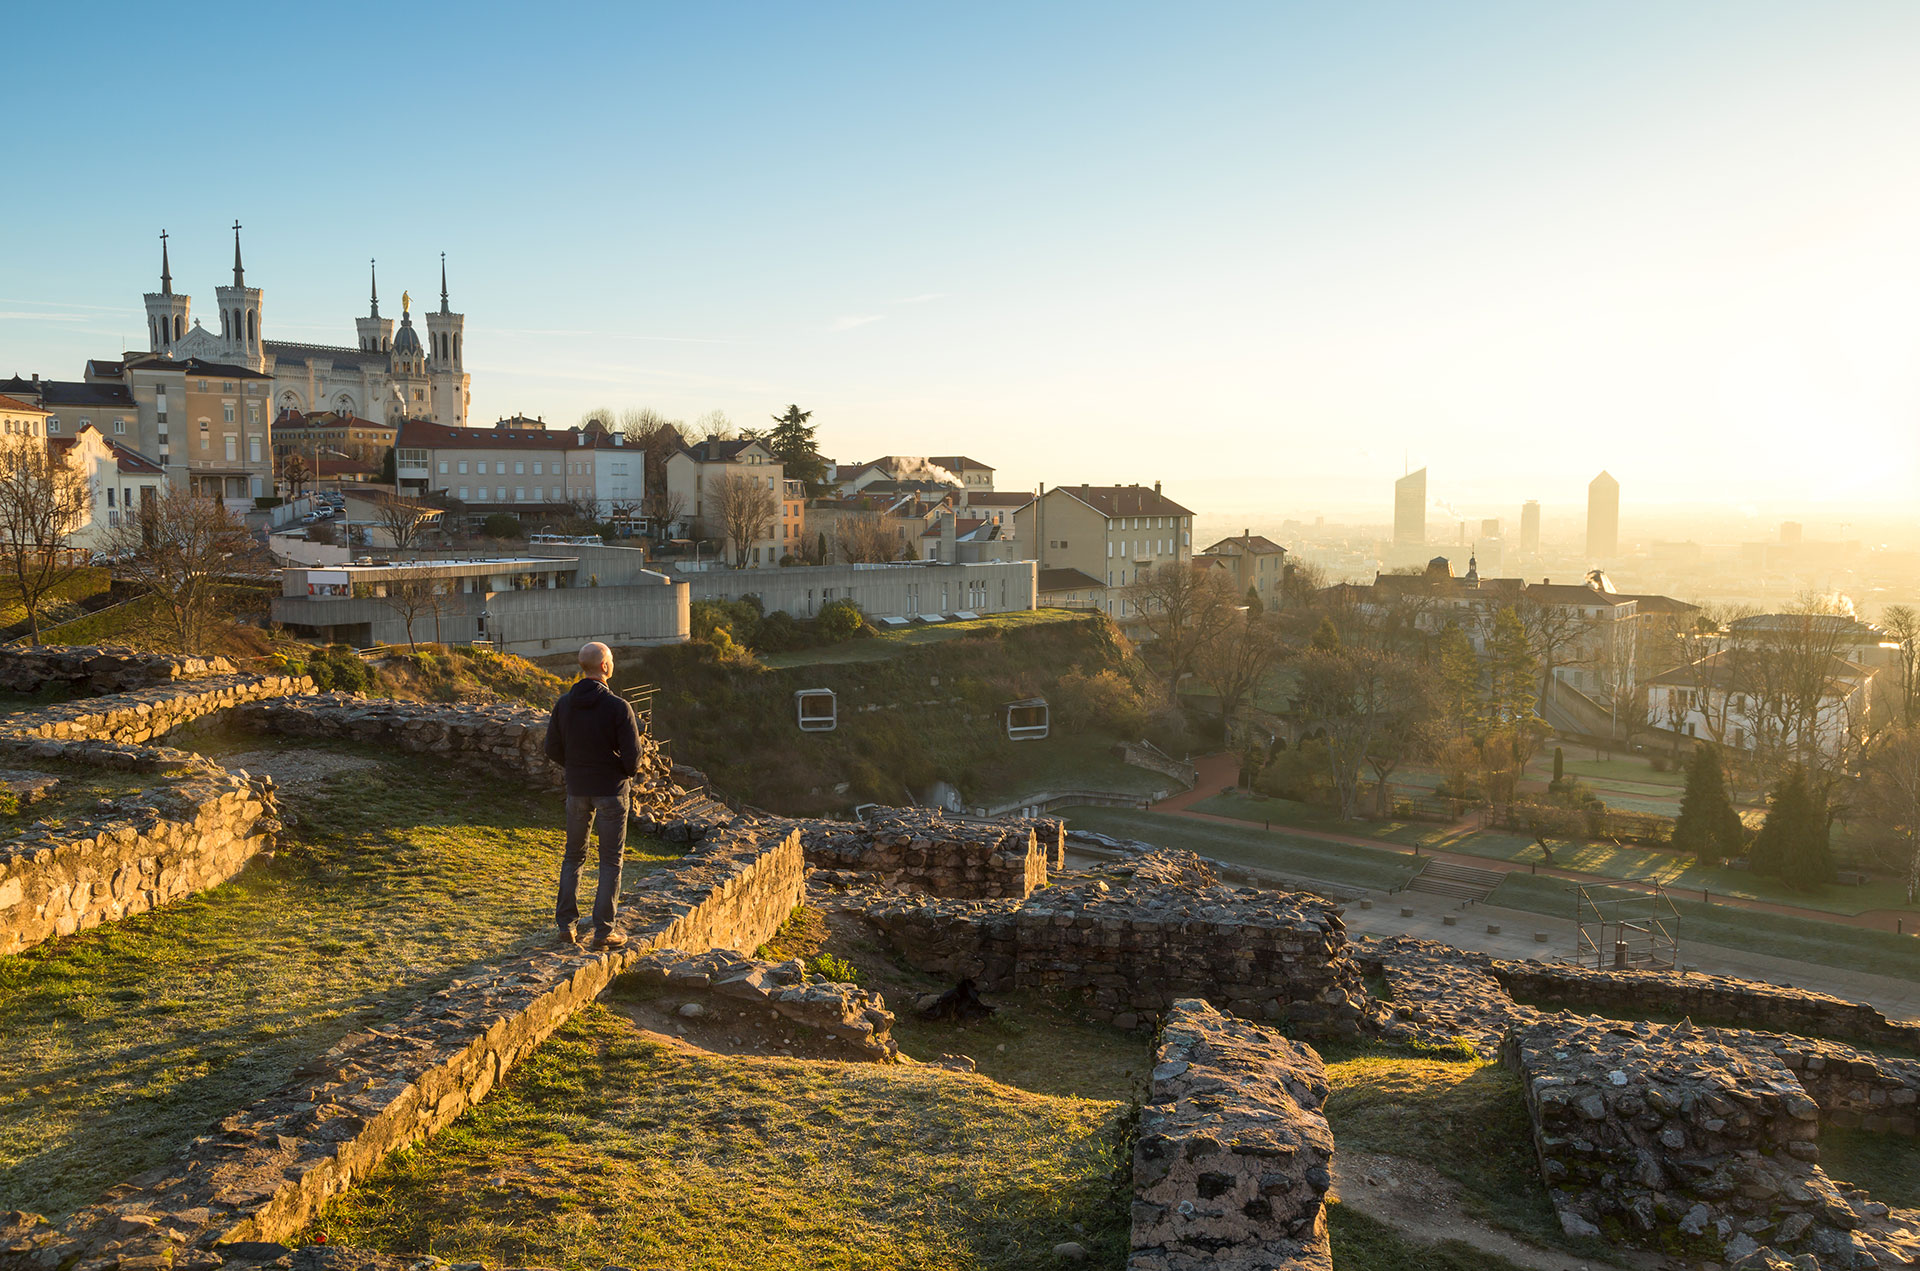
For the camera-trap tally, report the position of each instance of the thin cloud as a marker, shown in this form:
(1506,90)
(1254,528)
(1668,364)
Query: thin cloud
(22,316)
(923,298)
(56,304)
(850,322)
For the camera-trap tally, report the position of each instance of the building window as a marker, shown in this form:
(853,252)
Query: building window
(253,449)
(53,424)
(233,448)
(536,467)
(443,467)
(463,472)
(519,494)
(463,494)
(226,412)
(120,426)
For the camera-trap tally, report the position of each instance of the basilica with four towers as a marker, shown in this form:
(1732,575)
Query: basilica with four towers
(388,374)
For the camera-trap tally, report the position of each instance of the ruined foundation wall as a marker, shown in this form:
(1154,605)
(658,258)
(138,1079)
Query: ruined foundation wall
(267,1169)
(917,847)
(1232,1164)
(145,714)
(93,669)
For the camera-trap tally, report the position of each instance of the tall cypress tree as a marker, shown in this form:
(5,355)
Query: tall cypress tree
(1707,825)
(1792,844)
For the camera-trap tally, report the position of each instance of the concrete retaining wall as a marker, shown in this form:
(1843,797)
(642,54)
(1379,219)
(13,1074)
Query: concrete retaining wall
(267,1169)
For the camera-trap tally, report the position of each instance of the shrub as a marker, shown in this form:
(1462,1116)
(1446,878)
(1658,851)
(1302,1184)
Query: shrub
(335,669)
(502,525)
(841,620)
(737,618)
(1659,763)
(1104,701)
(833,968)
(779,633)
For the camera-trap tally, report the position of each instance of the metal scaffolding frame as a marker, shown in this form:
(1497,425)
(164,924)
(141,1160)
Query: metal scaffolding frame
(1639,930)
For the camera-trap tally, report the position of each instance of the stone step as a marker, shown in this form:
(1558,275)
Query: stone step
(1455,881)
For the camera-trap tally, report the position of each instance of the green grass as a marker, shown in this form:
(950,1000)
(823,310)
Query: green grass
(1753,931)
(1886,1165)
(1424,1110)
(891,643)
(78,587)
(126,1041)
(608,1147)
(120,624)
(52,694)
(1064,762)
(1259,809)
(1368,868)
(80,790)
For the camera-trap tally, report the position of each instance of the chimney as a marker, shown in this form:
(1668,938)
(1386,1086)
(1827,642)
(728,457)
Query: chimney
(1156,487)
(1246,533)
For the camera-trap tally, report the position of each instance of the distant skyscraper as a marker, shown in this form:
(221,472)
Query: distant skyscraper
(1490,527)
(1530,528)
(1603,518)
(1410,508)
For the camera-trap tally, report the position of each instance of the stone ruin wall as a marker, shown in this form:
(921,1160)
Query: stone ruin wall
(1232,1163)
(1131,952)
(145,714)
(96,669)
(266,1171)
(921,848)
(504,741)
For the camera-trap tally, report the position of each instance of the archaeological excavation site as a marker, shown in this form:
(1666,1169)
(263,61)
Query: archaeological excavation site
(277,989)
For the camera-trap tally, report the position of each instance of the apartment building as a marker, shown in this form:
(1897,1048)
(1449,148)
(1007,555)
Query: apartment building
(1110,533)
(120,481)
(696,474)
(521,470)
(1252,562)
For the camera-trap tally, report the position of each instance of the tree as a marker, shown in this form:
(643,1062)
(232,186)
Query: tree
(1359,701)
(295,473)
(43,498)
(865,537)
(1512,671)
(1185,609)
(1792,842)
(662,507)
(1707,825)
(747,510)
(1902,622)
(791,442)
(1557,635)
(1255,607)
(412,596)
(1326,636)
(1457,681)
(402,519)
(389,474)
(1301,583)
(181,549)
(1235,661)
(1891,799)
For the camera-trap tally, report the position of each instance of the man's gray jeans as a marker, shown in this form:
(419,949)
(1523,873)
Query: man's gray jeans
(609,812)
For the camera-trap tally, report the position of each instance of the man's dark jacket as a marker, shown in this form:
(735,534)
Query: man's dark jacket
(593,734)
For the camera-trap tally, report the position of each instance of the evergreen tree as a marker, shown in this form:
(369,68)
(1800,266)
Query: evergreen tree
(1707,825)
(1512,671)
(388,475)
(1459,680)
(1326,636)
(1792,843)
(791,441)
(1254,607)
(1559,765)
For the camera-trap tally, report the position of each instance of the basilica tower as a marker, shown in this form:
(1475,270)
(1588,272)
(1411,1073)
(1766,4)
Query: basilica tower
(407,370)
(168,311)
(376,332)
(240,316)
(445,359)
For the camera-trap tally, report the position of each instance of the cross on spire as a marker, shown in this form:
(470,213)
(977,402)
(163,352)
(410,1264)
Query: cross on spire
(239,272)
(166,275)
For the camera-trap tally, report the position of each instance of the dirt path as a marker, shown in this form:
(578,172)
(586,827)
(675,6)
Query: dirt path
(1217,771)
(1426,1206)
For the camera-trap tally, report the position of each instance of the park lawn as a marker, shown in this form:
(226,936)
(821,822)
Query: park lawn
(74,589)
(1259,809)
(1832,944)
(1304,860)
(891,643)
(126,1041)
(1062,764)
(609,1146)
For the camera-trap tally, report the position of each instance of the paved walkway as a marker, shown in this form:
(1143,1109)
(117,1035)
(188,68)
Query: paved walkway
(1216,772)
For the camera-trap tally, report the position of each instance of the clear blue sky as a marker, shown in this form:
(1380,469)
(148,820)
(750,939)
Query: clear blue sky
(1259,252)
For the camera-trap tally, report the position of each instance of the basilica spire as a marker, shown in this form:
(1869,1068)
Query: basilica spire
(166,274)
(374,274)
(239,271)
(443,283)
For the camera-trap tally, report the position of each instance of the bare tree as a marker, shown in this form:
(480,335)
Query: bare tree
(714,424)
(43,498)
(1236,660)
(181,549)
(296,473)
(1185,609)
(1892,797)
(1902,622)
(413,596)
(1364,704)
(865,537)
(403,519)
(1560,635)
(662,507)
(748,509)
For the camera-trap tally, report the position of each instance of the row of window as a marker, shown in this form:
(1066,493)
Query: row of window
(554,494)
(500,466)
(1149,523)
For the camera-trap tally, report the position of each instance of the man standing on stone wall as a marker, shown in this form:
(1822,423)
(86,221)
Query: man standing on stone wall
(594,735)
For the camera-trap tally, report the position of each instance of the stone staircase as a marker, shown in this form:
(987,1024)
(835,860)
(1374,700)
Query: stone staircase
(1457,882)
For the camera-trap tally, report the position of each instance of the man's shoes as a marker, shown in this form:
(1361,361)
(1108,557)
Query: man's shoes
(565,938)
(612,940)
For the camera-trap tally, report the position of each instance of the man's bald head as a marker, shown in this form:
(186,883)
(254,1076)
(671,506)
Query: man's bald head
(596,660)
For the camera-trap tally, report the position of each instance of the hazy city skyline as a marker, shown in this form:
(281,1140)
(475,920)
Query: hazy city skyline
(1516,245)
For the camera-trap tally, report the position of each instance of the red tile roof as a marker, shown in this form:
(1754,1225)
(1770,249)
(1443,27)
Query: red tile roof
(1124,500)
(14,405)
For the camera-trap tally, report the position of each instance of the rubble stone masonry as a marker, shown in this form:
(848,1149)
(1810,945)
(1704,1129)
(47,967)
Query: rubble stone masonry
(92,669)
(920,848)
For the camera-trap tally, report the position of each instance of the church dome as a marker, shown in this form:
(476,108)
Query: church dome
(406,341)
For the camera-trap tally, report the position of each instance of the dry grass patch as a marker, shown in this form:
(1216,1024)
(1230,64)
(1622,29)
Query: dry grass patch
(608,1146)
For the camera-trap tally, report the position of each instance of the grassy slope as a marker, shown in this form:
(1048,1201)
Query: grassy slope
(1335,863)
(81,585)
(609,1147)
(126,1041)
(939,717)
(891,643)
